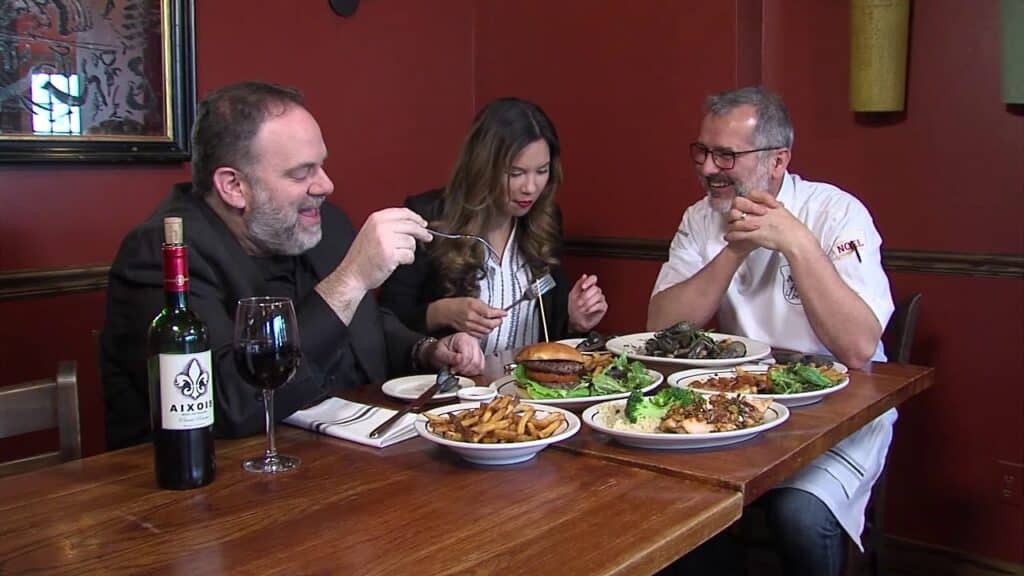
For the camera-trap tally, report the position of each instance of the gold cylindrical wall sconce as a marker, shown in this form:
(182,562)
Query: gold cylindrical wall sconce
(879,30)
(1012,28)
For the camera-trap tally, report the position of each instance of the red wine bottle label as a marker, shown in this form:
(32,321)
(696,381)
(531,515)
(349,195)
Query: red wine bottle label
(175,268)
(186,391)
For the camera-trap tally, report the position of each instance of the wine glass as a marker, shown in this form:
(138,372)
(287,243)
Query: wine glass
(267,352)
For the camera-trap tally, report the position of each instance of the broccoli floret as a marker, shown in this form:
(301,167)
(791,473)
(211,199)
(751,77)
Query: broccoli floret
(655,407)
(668,397)
(638,407)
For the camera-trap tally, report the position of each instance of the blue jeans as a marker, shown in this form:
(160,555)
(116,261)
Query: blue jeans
(808,537)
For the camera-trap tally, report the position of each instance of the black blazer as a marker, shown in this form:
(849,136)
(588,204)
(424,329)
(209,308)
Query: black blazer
(374,346)
(412,287)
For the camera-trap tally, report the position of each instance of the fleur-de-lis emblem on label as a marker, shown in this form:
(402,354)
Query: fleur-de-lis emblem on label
(193,380)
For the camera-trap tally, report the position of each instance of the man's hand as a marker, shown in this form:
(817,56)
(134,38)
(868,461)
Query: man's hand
(387,240)
(760,220)
(460,351)
(587,304)
(465,314)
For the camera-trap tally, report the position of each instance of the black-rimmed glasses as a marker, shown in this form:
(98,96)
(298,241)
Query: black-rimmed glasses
(724,159)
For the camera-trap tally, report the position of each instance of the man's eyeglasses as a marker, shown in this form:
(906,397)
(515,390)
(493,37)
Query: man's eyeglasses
(724,159)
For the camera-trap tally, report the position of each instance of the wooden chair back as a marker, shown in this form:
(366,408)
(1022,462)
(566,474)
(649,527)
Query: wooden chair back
(43,405)
(898,336)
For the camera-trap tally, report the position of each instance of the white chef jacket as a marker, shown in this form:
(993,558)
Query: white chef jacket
(763,303)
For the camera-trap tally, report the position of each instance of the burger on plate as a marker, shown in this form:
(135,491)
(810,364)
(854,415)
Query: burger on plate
(551,370)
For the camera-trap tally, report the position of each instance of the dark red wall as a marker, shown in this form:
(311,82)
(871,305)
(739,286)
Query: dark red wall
(621,80)
(394,89)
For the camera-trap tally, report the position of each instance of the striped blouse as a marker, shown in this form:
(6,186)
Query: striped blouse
(502,285)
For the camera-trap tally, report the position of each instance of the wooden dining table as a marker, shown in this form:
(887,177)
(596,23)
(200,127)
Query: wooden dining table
(585,506)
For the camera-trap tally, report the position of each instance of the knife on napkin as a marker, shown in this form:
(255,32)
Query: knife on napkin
(445,382)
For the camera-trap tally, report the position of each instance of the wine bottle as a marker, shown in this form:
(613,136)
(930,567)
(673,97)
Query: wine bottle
(180,378)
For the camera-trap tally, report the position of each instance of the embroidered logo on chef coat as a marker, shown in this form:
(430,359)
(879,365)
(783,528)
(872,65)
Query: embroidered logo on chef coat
(789,291)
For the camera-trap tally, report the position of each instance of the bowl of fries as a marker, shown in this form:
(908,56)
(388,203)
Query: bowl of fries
(502,431)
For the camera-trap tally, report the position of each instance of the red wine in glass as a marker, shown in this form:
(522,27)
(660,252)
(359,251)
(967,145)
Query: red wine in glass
(267,353)
(265,364)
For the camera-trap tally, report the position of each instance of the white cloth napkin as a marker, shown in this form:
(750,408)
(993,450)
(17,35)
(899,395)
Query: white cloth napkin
(319,418)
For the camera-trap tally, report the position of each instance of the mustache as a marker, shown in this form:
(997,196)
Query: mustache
(313,203)
(718,179)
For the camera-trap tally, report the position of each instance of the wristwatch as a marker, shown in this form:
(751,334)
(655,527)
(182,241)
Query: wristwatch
(418,363)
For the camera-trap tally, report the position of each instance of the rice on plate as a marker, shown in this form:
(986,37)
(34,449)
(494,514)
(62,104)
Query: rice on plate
(613,415)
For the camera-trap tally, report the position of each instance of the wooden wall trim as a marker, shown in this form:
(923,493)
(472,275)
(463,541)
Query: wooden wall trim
(959,263)
(55,281)
(914,558)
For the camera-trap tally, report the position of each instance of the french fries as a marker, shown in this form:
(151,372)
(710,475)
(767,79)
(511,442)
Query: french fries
(499,421)
(593,362)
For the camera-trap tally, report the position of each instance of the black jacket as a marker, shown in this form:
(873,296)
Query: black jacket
(220,273)
(411,288)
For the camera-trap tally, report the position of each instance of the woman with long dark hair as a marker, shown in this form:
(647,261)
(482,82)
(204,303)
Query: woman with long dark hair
(501,189)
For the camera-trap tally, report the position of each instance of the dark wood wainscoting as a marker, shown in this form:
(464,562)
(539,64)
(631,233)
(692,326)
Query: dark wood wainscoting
(987,265)
(52,281)
(44,282)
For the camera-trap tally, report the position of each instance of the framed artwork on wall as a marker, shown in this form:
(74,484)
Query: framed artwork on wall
(96,80)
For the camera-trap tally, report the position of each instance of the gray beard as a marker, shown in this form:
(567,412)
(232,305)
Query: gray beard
(720,205)
(277,232)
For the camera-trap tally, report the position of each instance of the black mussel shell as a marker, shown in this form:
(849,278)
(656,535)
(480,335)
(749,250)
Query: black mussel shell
(733,349)
(703,347)
(594,342)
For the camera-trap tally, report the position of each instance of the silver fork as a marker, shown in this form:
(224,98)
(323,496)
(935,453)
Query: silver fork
(465,237)
(360,414)
(539,287)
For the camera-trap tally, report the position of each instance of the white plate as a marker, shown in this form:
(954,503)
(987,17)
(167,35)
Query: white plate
(774,416)
(633,346)
(498,454)
(410,387)
(693,378)
(508,386)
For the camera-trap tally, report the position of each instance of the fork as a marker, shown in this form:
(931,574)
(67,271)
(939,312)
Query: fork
(360,414)
(465,237)
(539,287)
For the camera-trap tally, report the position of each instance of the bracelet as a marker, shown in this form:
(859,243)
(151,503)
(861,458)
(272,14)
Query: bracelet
(417,348)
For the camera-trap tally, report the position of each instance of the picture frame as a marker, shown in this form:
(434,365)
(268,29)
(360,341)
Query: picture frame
(96,80)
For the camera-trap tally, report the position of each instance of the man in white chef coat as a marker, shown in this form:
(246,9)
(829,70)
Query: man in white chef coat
(796,264)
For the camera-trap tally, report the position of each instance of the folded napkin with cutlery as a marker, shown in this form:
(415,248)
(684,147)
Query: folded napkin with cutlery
(353,421)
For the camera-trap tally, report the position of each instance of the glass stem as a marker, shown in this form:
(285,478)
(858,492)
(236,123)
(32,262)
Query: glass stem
(268,402)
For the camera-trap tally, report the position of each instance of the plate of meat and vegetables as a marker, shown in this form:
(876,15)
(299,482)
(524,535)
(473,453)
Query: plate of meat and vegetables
(792,384)
(680,418)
